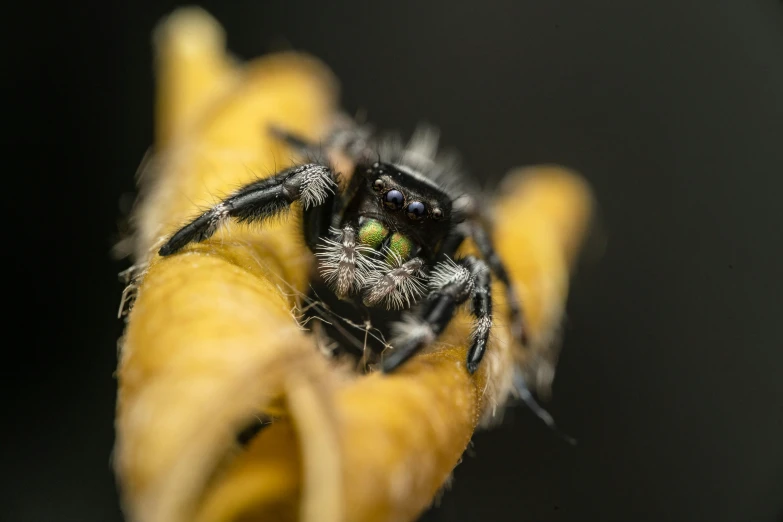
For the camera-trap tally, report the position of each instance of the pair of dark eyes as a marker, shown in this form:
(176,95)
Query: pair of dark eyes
(395,200)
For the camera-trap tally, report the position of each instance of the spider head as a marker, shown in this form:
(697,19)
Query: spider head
(401,209)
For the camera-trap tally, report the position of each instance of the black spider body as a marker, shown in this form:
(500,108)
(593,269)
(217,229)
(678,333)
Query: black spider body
(367,208)
(385,242)
(424,214)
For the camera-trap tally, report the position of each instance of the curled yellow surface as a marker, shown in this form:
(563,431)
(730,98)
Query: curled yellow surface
(212,338)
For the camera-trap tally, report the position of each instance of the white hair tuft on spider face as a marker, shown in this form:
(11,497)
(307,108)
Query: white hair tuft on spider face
(343,263)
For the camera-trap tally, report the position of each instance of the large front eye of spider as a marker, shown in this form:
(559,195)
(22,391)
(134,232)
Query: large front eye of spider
(394,200)
(416,210)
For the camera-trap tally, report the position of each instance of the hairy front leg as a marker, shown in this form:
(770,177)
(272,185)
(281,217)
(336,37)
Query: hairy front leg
(451,284)
(311,184)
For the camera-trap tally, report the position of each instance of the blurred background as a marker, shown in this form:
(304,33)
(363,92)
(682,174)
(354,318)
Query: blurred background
(671,376)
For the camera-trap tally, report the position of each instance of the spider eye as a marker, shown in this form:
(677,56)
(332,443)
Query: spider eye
(377,185)
(394,200)
(436,213)
(416,210)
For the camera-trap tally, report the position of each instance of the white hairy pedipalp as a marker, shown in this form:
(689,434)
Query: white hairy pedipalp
(397,284)
(342,262)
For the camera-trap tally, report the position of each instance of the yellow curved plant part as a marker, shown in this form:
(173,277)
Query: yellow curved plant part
(212,338)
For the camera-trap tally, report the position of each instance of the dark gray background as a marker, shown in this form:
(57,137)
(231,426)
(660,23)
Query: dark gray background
(671,372)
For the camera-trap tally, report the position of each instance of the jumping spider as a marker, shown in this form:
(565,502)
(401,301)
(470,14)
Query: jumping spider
(384,240)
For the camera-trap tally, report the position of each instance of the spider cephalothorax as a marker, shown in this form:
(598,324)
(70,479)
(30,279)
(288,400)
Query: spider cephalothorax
(384,239)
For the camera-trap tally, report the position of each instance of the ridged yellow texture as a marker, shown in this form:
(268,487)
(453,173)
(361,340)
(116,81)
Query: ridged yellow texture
(211,340)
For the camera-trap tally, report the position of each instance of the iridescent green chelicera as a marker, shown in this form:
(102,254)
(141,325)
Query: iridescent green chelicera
(372,233)
(401,245)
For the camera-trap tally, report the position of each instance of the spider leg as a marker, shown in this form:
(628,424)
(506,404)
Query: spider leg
(317,221)
(348,138)
(345,137)
(526,395)
(295,142)
(311,183)
(451,285)
(484,244)
(481,308)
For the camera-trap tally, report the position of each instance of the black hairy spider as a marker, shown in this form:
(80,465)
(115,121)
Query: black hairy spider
(384,240)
